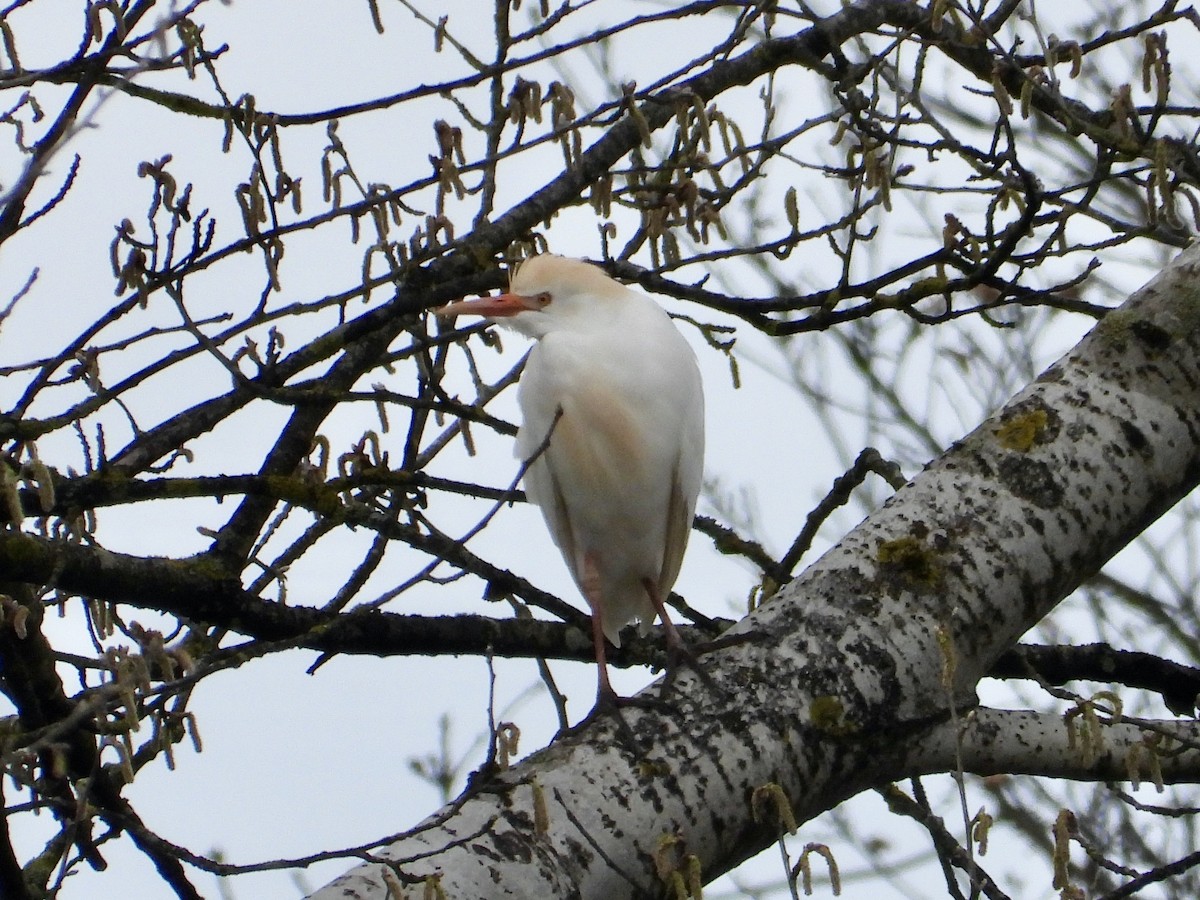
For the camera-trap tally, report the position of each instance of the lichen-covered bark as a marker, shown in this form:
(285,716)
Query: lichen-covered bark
(846,679)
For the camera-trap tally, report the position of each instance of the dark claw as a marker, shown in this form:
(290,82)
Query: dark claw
(679,654)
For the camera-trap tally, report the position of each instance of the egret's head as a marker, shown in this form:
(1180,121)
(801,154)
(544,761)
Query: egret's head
(545,292)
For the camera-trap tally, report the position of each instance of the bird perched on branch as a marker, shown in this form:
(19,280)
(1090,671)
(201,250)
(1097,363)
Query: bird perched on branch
(612,437)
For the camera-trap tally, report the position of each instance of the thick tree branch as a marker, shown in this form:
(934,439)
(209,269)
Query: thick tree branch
(1023,742)
(1179,685)
(854,662)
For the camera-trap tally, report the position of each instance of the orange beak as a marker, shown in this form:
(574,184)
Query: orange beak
(491,307)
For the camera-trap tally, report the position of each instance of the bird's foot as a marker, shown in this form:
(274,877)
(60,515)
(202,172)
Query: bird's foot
(679,655)
(611,705)
(728,640)
(608,705)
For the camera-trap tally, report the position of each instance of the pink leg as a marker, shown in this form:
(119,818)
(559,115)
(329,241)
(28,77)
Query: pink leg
(676,649)
(590,587)
(674,641)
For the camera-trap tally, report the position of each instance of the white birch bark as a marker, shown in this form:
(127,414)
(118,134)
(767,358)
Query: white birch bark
(840,681)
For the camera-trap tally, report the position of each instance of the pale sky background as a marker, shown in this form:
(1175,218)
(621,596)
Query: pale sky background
(294,764)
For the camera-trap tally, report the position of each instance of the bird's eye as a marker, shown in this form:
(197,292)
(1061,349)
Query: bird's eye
(543,298)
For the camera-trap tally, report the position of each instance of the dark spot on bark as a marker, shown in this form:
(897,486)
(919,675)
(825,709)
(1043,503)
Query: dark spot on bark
(580,852)
(910,560)
(1151,335)
(1136,439)
(1030,479)
(513,846)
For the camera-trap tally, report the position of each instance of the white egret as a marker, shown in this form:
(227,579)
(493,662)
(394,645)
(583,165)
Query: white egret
(613,436)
